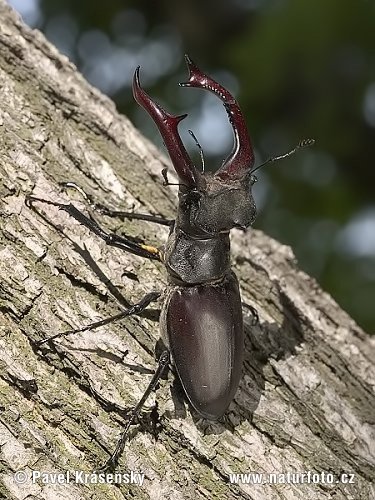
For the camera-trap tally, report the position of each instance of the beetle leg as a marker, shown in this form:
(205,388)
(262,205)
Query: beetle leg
(134,309)
(253,312)
(111,239)
(112,462)
(115,213)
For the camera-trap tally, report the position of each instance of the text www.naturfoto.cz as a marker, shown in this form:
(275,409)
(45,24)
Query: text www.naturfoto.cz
(291,478)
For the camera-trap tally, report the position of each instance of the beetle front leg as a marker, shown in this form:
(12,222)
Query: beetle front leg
(112,462)
(98,207)
(111,239)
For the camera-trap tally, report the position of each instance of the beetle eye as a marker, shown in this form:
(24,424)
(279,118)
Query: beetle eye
(253,180)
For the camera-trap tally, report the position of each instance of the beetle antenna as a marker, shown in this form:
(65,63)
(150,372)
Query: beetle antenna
(199,147)
(304,143)
(166,182)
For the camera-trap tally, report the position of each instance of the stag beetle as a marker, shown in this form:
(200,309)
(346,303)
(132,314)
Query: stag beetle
(201,320)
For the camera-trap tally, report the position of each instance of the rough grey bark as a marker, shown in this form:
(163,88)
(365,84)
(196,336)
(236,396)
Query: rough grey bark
(306,400)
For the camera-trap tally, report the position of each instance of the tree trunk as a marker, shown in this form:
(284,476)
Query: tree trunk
(306,399)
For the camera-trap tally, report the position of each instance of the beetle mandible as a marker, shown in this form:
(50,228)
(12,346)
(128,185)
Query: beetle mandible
(201,320)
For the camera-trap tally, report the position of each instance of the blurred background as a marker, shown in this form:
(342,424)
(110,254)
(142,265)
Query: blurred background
(298,69)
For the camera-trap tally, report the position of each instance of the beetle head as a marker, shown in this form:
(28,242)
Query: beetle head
(209,203)
(220,207)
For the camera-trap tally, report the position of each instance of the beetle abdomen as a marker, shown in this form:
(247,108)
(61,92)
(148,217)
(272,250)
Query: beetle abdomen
(205,335)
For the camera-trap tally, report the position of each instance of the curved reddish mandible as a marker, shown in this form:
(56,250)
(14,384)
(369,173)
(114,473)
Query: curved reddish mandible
(168,128)
(241,159)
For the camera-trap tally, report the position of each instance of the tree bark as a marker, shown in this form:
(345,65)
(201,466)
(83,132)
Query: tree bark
(306,399)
